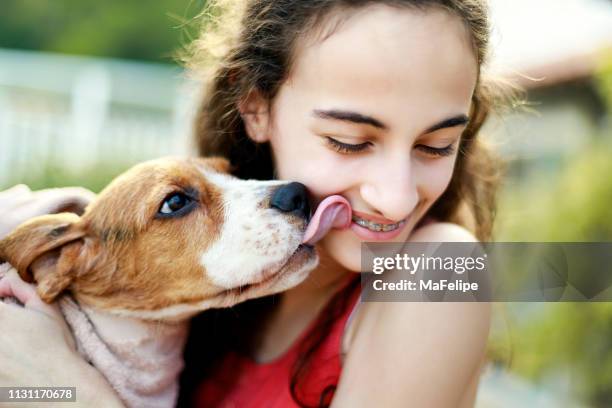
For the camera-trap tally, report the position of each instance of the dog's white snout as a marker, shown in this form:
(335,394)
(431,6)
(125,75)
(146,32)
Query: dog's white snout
(259,231)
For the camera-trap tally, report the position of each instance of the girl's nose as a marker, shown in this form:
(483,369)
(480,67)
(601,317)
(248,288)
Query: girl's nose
(392,190)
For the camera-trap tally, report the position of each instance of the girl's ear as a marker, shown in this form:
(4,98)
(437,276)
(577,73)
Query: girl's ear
(255,112)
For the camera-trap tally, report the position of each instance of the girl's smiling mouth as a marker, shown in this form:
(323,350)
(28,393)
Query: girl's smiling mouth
(372,231)
(336,212)
(373,226)
(375,223)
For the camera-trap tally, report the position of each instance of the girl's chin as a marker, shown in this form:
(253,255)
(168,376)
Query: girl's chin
(344,248)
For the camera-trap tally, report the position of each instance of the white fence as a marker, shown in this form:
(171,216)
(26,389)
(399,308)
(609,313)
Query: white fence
(75,112)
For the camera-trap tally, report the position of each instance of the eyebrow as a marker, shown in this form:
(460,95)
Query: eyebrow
(358,118)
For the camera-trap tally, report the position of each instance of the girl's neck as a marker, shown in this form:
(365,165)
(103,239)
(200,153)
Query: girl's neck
(323,281)
(299,306)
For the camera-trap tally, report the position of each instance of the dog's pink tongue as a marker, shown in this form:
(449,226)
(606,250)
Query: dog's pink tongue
(333,212)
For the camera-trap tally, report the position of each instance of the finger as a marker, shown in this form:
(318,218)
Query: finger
(10,287)
(13,286)
(13,315)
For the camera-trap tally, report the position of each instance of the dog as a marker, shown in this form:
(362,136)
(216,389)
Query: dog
(163,241)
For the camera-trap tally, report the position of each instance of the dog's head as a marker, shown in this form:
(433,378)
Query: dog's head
(169,238)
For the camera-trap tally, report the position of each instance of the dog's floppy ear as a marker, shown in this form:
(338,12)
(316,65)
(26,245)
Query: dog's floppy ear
(44,249)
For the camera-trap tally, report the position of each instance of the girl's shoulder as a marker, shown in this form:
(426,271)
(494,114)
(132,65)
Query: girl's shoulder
(411,335)
(429,231)
(437,231)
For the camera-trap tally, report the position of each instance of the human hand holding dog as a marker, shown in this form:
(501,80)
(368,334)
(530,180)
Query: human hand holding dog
(37,348)
(19,204)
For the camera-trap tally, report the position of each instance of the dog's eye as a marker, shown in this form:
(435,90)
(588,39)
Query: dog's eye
(174,203)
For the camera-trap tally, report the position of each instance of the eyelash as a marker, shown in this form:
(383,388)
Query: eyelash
(345,148)
(438,151)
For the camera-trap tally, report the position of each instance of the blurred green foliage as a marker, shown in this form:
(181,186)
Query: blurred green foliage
(94,177)
(575,338)
(539,340)
(146,30)
(576,207)
(604,80)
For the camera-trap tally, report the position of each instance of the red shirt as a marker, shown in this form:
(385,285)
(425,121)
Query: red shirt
(242,382)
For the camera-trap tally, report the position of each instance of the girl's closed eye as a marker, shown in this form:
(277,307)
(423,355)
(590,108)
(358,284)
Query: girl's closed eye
(347,148)
(437,151)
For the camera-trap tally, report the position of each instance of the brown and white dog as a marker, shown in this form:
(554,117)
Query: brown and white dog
(165,240)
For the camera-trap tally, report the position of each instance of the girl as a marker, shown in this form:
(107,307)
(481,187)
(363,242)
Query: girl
(380,102)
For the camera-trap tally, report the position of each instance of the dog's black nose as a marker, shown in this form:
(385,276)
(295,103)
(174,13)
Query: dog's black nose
(292,198)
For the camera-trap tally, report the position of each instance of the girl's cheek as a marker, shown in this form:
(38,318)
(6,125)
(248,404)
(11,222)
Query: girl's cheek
(324,172)
(434,177)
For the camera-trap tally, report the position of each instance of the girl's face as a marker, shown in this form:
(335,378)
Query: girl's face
(374,113)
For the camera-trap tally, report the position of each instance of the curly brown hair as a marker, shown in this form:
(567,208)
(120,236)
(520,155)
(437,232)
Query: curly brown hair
(251,45)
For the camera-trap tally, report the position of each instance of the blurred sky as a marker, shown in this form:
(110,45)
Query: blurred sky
(530,33)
